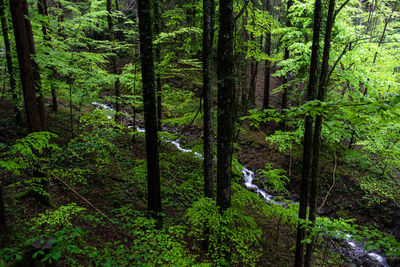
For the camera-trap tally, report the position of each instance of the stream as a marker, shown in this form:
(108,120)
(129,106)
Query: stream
(354,251)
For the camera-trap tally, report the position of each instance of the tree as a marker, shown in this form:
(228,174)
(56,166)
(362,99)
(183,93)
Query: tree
(286,57)
(307,142)
(42,8)
(316,145)
(29,70)
(157,18)
(10,68)
(114,61)
(154,205)
(3,219)
(267,67)
(225,103)
(208,36)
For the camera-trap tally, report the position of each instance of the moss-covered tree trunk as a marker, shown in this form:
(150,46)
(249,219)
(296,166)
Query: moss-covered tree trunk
(225,103)
(150,113)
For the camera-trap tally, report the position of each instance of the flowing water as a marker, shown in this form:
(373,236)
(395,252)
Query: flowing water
(355,252)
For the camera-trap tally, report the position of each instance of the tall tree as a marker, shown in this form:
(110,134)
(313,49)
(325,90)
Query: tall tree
(114,61)
(157,29)
(316,146)
(30,77)
(150,113)
(10,68)
(3,220)
(42,8)
(286,57)
(225,103)
(253,62)
(267,67)
(208,37)
(307,142)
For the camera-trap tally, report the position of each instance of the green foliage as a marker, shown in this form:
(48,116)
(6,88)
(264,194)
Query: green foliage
(232,236)
(146,246)
(27,153)
(51,221)
(274,178)
(378,191)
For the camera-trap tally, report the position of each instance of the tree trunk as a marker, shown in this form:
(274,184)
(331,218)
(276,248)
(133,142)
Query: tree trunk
(284,104)
(150,112)
(42,8)
(3,220)
(308,134)
(244,84)
(318,127)
(208,36)
(267,68)
(10,68)
(225,103)
(30,78)
(35,67)
(158,61)
(114,62)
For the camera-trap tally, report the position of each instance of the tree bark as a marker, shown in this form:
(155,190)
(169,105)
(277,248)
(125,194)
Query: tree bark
(208,37)
(30,78)
(225,103)
(308,135)
(158,61)
(3,219)
(317,129)
(150,113)
(10,68)
(284,104)
(42,8)
(267,67)
(36,70)
(114,62)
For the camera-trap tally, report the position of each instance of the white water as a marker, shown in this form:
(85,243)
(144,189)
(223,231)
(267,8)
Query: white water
(249,176)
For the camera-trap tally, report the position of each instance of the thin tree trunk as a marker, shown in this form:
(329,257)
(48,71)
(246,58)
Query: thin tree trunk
(384,32)
(114,62)
(267,68)
(10,68)
(158,61)
(3,219)
(150,111)
(245,91)
(225,103)
(253,67)
(42,7)
(208,36)
(71,117)
(308,134)
(26,65)
(284,104)
(317,129)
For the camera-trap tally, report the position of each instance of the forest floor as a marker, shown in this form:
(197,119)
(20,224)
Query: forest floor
(114,181)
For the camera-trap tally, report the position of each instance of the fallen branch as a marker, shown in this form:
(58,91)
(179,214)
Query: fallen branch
(80,196)
(333,183)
